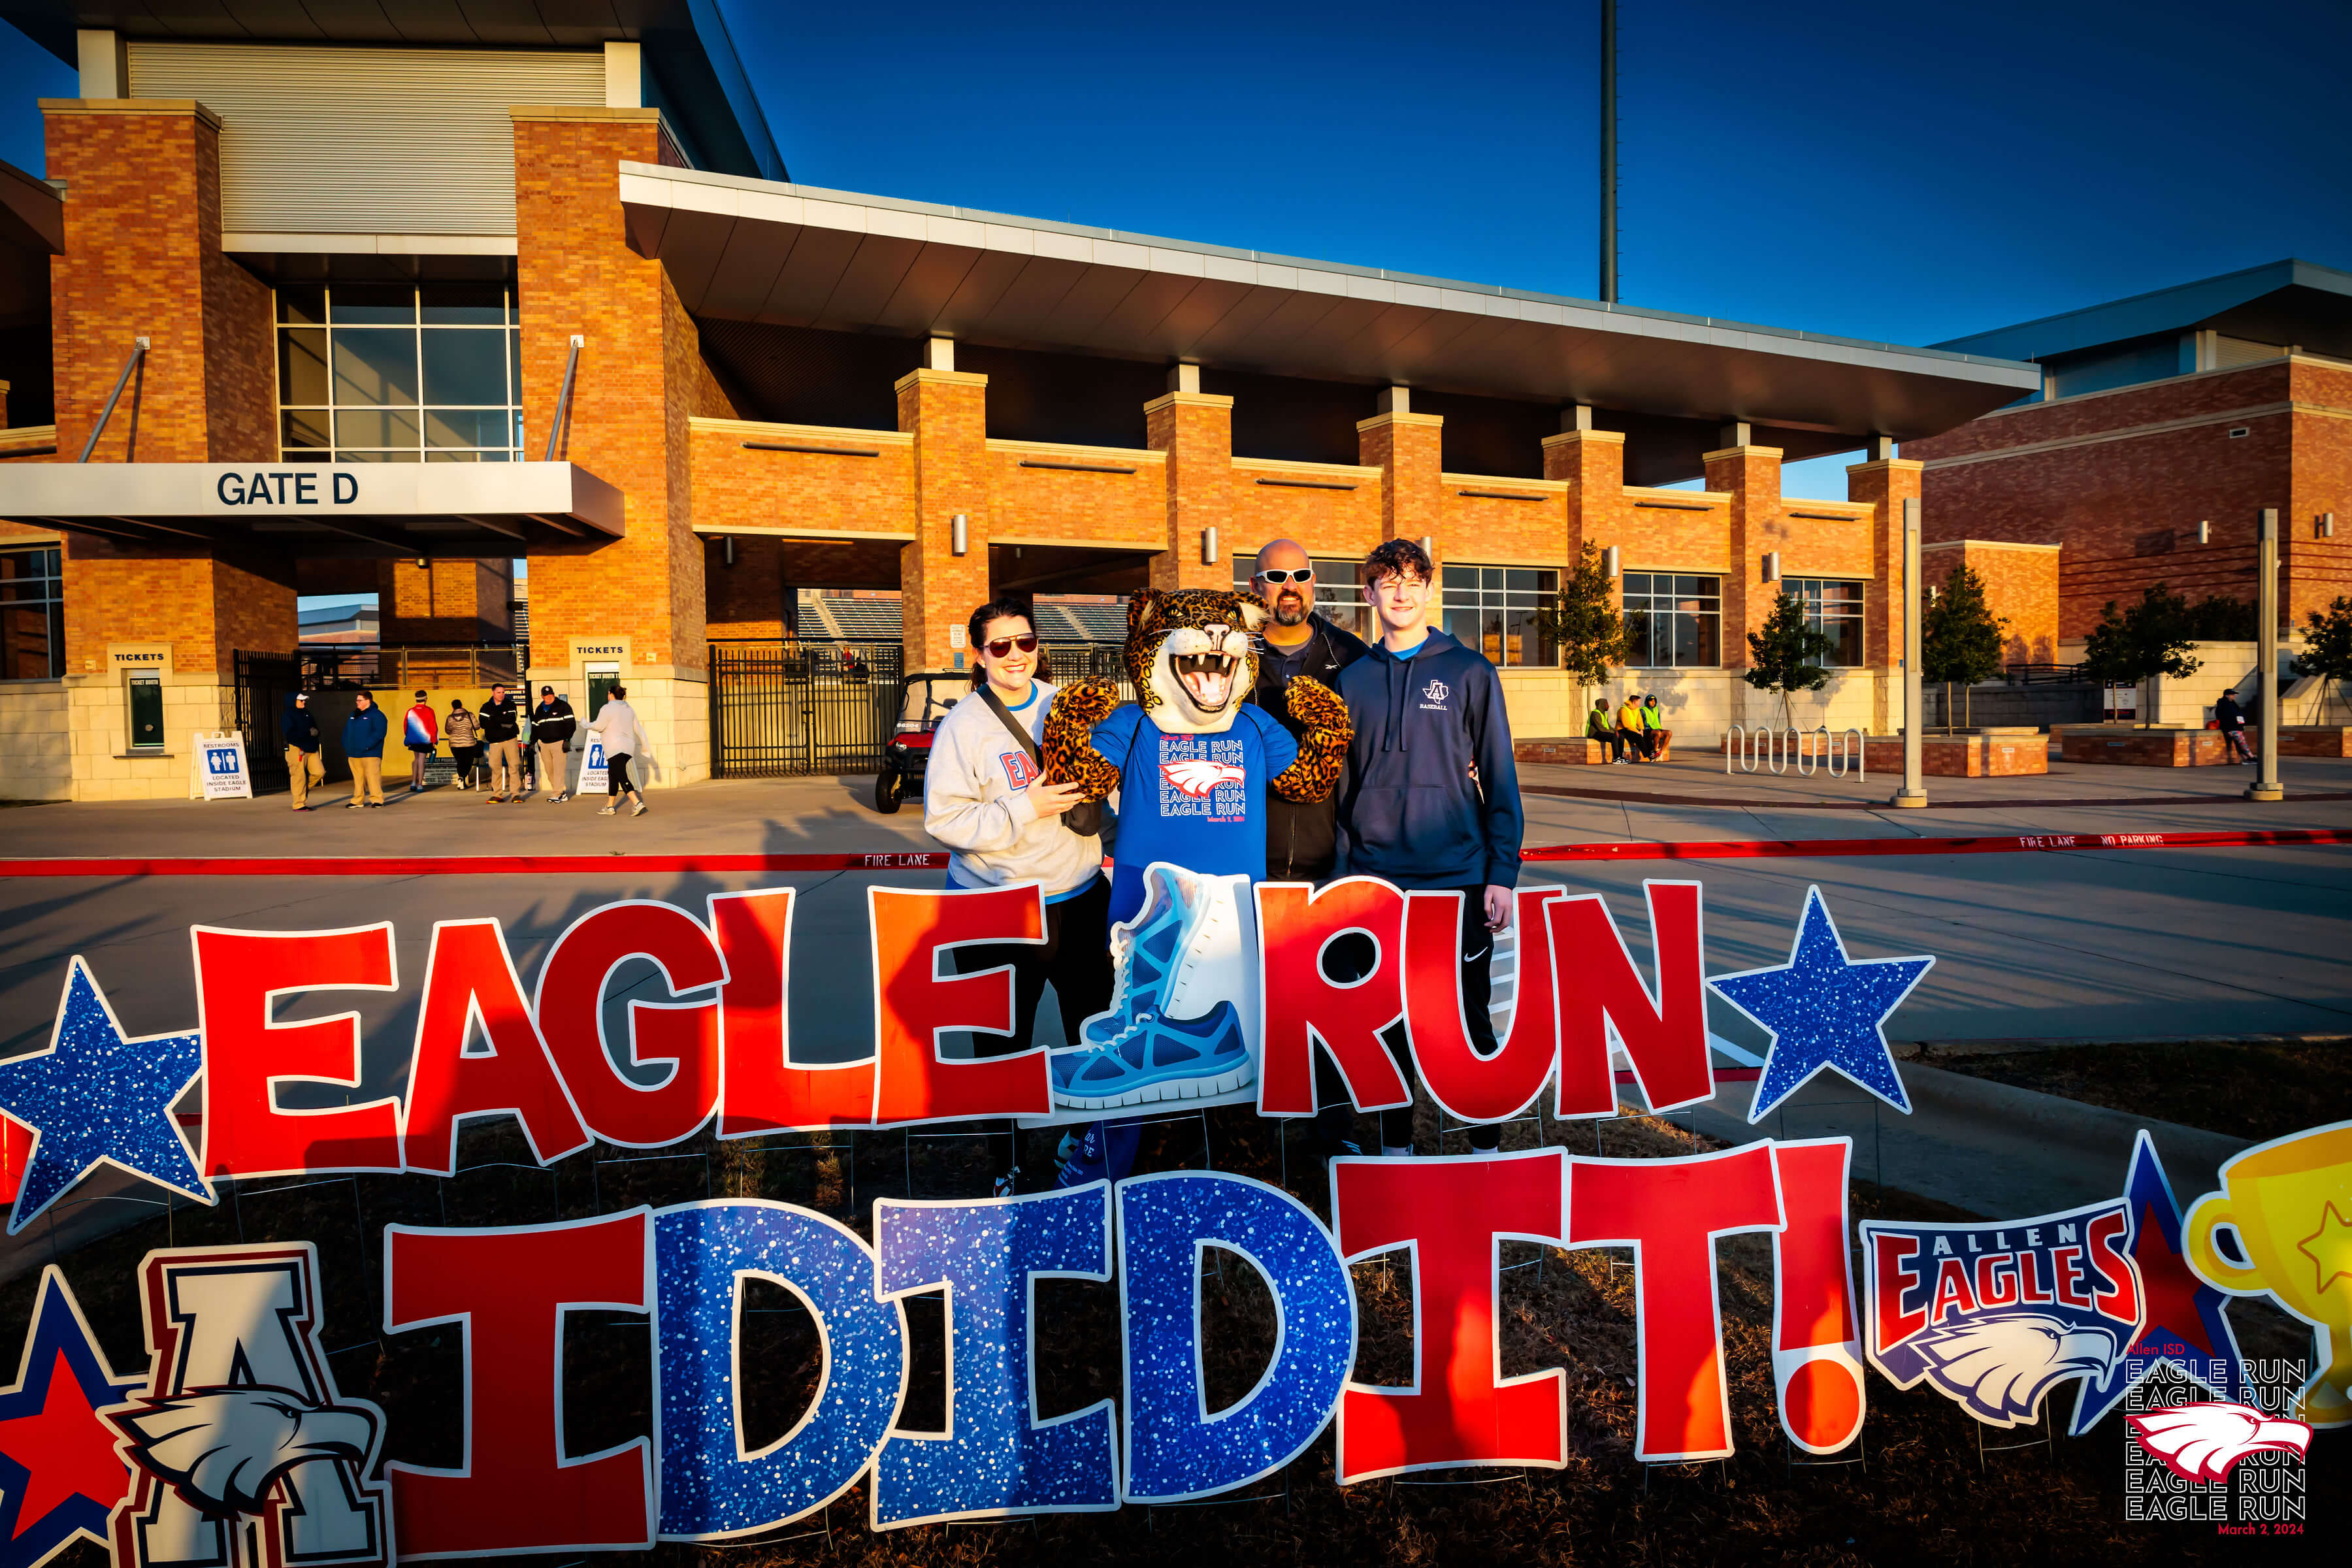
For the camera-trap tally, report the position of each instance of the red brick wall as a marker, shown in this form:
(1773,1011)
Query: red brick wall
(947,412)
(1063,503)
(1196,430)
(2021,587)
(2139,468)
(1475,529)
(1408,449)
(746,599)
(735,485)
(1326,521)
(1884,487)
(446,601)
(1750,476)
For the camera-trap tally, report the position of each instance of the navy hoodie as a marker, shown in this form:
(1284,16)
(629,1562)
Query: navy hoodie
(1433,795)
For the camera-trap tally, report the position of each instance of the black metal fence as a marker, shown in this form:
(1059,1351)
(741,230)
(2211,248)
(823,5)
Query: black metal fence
(266,684)
(2041,704)
(787,710)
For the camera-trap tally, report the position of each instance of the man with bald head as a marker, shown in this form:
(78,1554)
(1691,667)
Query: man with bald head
(1300,846)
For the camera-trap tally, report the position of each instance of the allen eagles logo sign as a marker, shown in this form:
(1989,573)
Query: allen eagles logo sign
(234,1445)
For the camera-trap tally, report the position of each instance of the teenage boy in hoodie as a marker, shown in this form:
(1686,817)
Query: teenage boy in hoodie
(422,735)
(1432,794)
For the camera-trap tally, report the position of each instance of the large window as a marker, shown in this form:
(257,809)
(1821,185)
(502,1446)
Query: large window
(372,372)
(1673,620)
(1493,609)
(1833,607)
(32,615)
(1339,598)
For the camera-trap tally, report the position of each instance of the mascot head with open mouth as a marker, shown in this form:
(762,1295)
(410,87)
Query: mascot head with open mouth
(1188,652)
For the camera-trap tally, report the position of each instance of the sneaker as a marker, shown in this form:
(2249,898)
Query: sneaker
(1007,1184)
(353,805)
(640,809)
(557,799)
(610,811)
(1136,1054)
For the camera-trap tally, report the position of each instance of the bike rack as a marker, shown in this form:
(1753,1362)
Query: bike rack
(1763,745)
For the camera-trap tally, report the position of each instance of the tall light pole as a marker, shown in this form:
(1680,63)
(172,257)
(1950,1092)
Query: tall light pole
(1608,152)
(2266,692)
(1914,791)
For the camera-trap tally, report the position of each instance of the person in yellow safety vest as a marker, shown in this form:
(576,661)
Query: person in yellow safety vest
(1631,725)
(1599,726)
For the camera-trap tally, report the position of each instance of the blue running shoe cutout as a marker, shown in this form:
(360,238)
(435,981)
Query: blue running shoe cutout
(1135,1053)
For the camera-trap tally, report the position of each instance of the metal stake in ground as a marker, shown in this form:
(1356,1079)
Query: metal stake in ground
(2266,687)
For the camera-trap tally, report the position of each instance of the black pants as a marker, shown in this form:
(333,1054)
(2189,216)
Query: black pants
(1639,740)
(616,774)
(1075,959)
(1350,958)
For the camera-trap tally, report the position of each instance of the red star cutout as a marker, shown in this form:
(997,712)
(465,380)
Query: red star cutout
(2171,1291)
(69,1451)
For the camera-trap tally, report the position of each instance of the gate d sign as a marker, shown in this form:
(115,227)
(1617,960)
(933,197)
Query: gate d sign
(220,767)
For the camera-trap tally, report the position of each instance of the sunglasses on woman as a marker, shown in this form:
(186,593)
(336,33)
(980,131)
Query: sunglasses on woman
(1026,643)
(1292,574)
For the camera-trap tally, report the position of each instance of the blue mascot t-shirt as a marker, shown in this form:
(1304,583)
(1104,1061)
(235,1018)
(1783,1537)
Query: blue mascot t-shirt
(1195,800)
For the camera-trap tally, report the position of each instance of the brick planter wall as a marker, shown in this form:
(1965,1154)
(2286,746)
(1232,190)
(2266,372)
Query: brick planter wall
(2144,748)
(2313,739)
(1578,751)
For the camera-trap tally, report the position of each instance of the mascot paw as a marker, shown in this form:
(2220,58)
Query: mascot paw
(1069,751)
(1319,707)
(1083,703)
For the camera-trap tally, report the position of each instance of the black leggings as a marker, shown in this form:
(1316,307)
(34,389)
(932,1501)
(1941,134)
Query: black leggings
(1075,958)
(616,774)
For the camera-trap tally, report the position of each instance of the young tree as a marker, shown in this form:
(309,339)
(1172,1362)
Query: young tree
(2327,645)
(1585,625)
(2151,639)
(1783,657)
(1960,637)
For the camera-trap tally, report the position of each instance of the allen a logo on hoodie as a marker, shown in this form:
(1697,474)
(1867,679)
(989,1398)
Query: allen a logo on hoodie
(1433,695)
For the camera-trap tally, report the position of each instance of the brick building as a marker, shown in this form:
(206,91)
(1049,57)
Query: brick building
(2164,424)
(422,300)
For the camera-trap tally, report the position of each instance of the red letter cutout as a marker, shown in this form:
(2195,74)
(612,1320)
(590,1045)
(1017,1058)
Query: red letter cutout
(470,976)
(508,1289)
(1602,999)
(239,976)
(760,1088)
(913,1005)
(1816,1344)
(1470,1086)
(1301,1007)
(1669,1212)
(571,1019)
(1460,1410)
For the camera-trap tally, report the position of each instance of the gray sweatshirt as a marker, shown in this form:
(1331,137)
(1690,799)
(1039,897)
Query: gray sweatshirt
(974,802)
(617,722)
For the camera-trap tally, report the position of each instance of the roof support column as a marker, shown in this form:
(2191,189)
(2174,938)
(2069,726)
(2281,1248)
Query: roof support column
(943,575)
(1195,428)
(1751,476)
(1883,486)
(1408,449)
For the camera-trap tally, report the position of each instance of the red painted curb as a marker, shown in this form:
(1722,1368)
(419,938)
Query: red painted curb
(936,860)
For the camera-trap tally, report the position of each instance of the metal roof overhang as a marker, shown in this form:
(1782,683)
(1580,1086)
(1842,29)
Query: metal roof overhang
(795,255)
(391,510)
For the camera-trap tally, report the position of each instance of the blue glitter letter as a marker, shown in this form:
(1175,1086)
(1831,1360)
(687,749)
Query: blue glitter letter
(996,1459)
(710,1487)
(1175,1449)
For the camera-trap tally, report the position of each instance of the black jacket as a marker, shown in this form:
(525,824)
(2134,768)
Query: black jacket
(553,723)
(1301,841)
(2228,714)
(303,730)
(499,720)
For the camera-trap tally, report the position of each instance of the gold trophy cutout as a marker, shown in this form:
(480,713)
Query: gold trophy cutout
(2290,1202)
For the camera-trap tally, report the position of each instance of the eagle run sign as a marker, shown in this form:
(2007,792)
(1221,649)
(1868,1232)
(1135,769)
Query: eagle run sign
(234,1446)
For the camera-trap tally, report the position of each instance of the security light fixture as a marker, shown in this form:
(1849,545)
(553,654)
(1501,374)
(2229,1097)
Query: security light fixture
(1208,547)
(1609,561)
(1771,566)
(959,534)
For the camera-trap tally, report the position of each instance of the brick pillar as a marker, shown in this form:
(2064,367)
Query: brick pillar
(143,258)
(1405,448)
(1592,462)
(945,411)
(1196,430)
(640,363)
(1751,476)
(1885,486)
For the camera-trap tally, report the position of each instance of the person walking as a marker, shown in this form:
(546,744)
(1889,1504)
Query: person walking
(422,736)
(1599,726)
(1432,796)
(2231,720)
(986,798)
(464,735)
(303,767)
(364,734)
(1629,729)
(501,731)
(552,725)
(623,738)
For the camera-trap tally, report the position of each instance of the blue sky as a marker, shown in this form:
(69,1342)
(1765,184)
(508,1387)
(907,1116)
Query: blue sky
(1905,173)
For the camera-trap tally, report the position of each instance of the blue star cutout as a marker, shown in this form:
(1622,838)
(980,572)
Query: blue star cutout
(59,1475)
(94,1098)
(1822,1010)
(2183,1320)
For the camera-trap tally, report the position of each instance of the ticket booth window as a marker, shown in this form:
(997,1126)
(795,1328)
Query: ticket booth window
(601,678)
(146,704)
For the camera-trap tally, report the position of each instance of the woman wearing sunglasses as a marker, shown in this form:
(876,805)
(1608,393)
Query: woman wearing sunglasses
(985,796)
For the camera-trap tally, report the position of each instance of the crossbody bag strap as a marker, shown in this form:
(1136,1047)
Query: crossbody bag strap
(1020,730)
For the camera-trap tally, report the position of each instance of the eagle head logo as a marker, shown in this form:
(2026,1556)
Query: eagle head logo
(225,1449)
(2000,1366)
(2201,1442)
(1196,776)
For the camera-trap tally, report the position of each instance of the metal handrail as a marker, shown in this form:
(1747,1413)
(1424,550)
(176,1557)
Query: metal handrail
(137,355)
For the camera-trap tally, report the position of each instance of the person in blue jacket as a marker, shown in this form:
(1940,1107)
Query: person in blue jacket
(1432,797)
(364,734)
